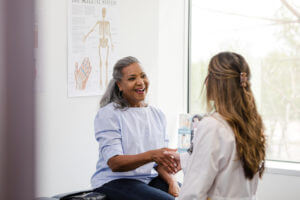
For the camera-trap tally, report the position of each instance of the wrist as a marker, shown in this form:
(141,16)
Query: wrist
(149,156)
(171,181)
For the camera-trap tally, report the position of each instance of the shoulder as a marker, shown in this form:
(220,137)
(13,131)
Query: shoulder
(108,111)
(107,117)
(214,120)
(209,122)
(214,125)
(157,112)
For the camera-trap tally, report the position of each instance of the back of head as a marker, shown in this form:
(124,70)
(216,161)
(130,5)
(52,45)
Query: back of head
(228,86)
(112,93)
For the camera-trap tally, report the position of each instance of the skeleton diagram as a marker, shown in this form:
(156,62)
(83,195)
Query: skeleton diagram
(104,36)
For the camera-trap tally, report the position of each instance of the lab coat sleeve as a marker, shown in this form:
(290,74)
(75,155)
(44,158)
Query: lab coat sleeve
(183,160)
(208,156)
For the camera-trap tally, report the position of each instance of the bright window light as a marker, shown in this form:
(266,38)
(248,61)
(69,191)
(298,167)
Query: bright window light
(267,34)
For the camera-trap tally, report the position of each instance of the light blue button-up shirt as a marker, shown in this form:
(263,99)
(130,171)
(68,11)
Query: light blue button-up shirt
(127,132)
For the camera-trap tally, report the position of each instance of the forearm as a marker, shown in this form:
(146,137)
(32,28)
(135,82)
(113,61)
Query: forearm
(123,163)
(168,177)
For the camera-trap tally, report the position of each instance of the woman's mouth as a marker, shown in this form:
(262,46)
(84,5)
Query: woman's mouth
(140,91)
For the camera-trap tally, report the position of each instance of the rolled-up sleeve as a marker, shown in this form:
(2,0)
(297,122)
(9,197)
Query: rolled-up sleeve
(108,134)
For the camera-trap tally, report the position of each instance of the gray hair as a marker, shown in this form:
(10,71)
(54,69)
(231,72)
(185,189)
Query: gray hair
(112,93)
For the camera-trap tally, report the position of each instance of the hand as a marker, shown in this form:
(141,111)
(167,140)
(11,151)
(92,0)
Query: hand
(165,158)
(176,157)
(82,73)
(174,189)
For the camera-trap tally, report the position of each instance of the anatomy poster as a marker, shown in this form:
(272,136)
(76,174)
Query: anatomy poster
(92,43)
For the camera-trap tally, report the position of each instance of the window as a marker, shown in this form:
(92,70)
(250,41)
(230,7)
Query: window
(267,34)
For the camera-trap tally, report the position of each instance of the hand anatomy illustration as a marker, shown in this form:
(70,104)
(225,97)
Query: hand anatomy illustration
(82,73)
(104,41)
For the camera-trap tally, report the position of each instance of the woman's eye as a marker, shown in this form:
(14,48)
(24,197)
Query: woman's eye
(131,79)
(144,76)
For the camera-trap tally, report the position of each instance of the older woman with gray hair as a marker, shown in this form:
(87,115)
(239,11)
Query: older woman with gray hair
(132,140)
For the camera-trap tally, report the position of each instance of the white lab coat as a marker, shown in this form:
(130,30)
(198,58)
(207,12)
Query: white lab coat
(213,170)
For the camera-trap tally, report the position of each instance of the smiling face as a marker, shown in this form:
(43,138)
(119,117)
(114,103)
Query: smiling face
(134,84)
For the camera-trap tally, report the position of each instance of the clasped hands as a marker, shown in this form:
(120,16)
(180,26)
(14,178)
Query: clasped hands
(168,158)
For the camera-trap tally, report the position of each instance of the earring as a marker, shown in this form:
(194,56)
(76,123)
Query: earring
(120,93)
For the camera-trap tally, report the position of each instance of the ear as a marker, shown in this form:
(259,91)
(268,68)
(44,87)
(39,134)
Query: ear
(119,86)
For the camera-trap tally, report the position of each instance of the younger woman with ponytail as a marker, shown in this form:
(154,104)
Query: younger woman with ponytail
(229,145)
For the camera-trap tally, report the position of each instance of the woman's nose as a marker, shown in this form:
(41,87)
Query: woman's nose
(140,81)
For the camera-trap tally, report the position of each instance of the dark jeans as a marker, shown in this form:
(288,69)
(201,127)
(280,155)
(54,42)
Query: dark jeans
(131,189)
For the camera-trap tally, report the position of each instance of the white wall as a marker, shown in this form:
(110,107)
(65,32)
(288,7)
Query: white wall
(66,149)
(172,62)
